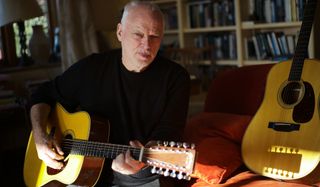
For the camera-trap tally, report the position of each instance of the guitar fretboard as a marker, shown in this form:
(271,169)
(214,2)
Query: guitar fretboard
(302,46)
(97,149)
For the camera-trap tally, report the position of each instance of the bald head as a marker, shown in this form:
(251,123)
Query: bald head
(134,5)
(140,33)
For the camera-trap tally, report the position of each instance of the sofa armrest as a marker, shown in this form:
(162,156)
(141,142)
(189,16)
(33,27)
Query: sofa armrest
(207,125)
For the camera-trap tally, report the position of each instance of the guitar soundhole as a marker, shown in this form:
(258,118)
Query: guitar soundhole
(292,93)
(65,148)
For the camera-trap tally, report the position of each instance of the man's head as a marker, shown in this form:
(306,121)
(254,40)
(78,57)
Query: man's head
(140,33)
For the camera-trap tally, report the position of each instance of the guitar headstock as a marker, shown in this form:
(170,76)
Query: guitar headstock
(171,159)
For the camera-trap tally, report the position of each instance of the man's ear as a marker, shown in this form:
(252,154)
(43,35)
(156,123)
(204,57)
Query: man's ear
(119,32)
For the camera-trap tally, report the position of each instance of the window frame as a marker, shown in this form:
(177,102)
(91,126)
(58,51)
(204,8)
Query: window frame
(9,55)
(8,46)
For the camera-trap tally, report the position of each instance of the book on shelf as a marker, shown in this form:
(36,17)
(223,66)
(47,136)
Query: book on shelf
(287,10)
(291,43)
(275,44)
(199,14)
(170,17)
(249,49)
(270,45)
(256,47)
(224,44)
(271,11)
(209,13)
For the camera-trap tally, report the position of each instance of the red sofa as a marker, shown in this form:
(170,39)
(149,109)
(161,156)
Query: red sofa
(232,100)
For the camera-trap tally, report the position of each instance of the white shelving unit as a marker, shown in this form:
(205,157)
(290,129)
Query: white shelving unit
(242,28)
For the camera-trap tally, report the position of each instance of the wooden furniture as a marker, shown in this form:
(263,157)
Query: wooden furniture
(182,33)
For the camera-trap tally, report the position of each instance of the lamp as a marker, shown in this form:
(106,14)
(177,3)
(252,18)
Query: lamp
(18,11)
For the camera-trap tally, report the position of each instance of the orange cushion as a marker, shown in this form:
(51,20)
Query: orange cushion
(217,159)
(217,137)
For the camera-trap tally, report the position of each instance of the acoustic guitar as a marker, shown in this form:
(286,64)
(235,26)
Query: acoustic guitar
(283,139)
(84,142)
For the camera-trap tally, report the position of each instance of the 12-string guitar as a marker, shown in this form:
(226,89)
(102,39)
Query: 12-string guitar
(84,142)
(283,139)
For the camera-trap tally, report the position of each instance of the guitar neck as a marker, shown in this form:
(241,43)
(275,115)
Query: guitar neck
(97,149)
(303,41)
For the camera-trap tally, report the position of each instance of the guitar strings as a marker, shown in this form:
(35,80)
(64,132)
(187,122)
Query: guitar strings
(96,145)
(97,148)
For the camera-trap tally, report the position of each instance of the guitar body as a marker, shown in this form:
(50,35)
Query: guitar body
(78,170)
(84,143)
(283,139)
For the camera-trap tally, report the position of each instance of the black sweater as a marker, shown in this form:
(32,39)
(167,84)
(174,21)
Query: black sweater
(151,105)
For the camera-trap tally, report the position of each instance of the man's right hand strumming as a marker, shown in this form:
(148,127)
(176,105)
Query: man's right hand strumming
(47,146)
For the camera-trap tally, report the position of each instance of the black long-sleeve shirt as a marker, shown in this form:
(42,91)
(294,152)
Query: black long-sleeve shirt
(150,105)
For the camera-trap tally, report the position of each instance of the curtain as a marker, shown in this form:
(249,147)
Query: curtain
(77,32)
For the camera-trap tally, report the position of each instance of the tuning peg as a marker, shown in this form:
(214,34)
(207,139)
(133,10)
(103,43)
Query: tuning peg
(172,144)
(153,170)
(187,177)
(185,145)
(159,171)
(165,143)
(166,173)
(180,175)
(193,146)
(179,144)
(173,174)
(159,143)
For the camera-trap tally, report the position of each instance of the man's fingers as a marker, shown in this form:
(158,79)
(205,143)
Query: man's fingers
(119,165)
(134,164)
(49,152)
(117,161)
(151,143)
(58,148)
(135,143)
(54,164)
(124,163)
(54,155)
(51,162)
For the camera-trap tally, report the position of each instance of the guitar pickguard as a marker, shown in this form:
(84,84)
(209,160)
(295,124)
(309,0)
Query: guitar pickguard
(298,95)
(303,112)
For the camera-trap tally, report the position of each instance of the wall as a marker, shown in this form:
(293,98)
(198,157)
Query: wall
(106,16)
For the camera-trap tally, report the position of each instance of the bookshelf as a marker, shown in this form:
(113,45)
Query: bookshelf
(239,31)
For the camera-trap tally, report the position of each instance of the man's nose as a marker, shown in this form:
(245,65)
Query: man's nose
(146,42)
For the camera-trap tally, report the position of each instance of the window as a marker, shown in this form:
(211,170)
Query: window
(9,34)
(42,20)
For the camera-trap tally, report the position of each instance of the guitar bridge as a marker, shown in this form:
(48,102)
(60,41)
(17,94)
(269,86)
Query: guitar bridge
(283,164)
(284,127)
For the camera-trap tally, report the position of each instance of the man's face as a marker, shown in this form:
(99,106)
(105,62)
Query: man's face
(140,36)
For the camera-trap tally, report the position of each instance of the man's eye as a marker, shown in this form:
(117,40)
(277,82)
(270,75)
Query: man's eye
(154,36)
(138,35)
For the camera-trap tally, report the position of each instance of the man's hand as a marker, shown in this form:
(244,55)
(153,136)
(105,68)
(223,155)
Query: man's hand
(49,151)
(47,147)
(125,164)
